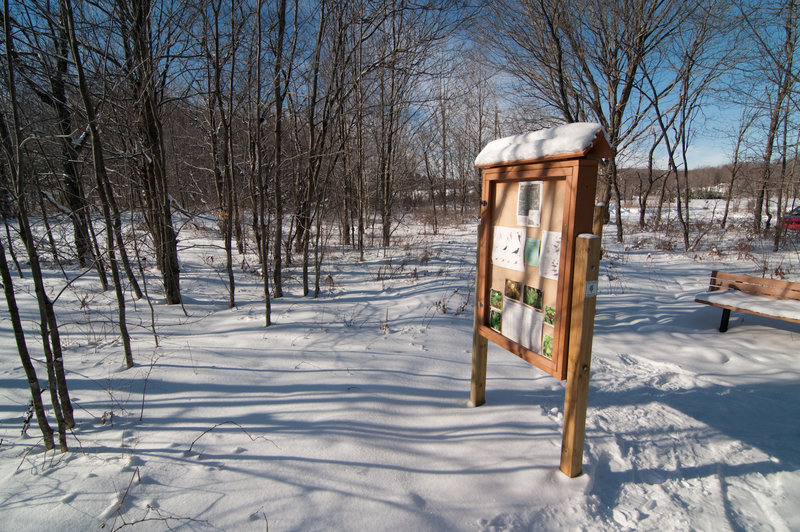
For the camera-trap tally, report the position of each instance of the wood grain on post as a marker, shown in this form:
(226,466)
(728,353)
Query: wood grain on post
(584,298)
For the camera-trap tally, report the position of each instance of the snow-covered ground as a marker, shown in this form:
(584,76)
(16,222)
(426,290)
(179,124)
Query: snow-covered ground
(351,412)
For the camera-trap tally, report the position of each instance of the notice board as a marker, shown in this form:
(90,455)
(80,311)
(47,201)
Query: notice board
(531,216)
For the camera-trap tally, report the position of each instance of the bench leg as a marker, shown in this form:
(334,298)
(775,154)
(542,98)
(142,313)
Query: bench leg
(726,314)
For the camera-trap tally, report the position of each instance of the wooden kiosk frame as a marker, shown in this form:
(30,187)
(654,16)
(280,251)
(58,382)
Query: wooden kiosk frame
(557,315)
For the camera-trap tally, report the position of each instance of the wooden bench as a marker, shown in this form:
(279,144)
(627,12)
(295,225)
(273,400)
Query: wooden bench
(771,298)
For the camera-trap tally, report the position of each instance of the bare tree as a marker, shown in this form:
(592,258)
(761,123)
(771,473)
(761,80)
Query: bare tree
(780,230)
(53,69)
(326,133)
(693,64)
(262,203)
(220,51)
(147,78)
(773,31)
(11,137)
(735,167)
(103,184)
(409,37)
(43,66)
(653,177)
(280,81)
(24,355)
(582,60)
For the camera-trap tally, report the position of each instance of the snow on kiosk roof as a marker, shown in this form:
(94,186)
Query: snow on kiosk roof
(568,141)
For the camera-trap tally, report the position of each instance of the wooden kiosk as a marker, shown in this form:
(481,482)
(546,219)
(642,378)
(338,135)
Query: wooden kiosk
(531,293)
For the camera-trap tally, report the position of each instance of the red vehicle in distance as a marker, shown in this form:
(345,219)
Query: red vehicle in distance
(791,220)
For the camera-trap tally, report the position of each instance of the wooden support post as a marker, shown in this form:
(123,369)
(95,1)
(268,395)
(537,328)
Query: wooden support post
(584,298)
(599,218)
(480,345)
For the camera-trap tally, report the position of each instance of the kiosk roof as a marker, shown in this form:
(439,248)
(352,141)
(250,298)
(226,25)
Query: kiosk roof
(577,139)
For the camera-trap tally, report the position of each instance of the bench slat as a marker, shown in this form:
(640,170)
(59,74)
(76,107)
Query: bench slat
(771,298)
(771,288)
(788,310)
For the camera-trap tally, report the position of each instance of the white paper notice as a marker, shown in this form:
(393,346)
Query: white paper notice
(529,201)
(523,324)
(508,248)
(550,254)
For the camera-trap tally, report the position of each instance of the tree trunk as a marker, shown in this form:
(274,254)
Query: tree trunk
(24,355)
(261,177)
(785,82)
(279,94)
(56,98)
(51,341)
(136,17)
(104,188)
(123,252)
(221,148)
(11,249)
